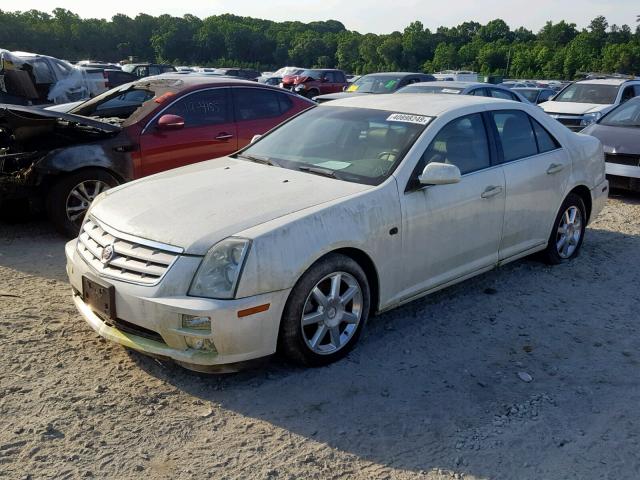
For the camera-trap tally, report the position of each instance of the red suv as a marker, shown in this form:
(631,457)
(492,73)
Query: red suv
(64,160)
(314,82)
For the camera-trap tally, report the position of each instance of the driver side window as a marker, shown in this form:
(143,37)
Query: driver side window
(463,143)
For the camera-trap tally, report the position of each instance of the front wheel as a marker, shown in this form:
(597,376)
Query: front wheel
(568,231)
(70,197)
(325,312)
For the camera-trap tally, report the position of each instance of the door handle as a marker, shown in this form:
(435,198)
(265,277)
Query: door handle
(491,191)
(554,168)
(224,136)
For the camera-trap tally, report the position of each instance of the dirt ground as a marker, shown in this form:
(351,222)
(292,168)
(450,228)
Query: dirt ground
(433,391)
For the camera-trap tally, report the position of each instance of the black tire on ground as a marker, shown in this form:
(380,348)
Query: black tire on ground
(312,93)
(551,255)
(60,194)
(291,340)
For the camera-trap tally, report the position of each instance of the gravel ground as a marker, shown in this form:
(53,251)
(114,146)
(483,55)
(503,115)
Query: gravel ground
(437,389)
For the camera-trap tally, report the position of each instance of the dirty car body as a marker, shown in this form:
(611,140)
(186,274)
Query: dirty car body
(356,206)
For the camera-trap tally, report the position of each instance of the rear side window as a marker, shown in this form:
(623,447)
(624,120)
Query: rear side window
(206,107)
(255,104)
(515,132)
(546,142)
(522,136)
(463,143)
(286,103)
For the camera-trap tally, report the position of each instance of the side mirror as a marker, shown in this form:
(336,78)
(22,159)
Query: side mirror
(170,122)
(440,174)
(256,138)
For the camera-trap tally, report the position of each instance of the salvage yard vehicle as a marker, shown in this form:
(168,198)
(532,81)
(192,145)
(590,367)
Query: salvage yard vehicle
(464,88)
(619,132)
(313,82)
(582,103)
(377,83)
(142,70)
(32,79)
(535,95)
(61,161)
(350,208)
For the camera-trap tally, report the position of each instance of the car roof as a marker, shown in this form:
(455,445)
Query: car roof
(461,85)
(606,81)
(395,74)
(414,103)
(530,89)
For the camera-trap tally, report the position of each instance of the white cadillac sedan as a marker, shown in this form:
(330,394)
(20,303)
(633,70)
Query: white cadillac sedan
(351,208)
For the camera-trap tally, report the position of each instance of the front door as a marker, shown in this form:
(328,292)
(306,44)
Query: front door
(450,231)
(209,132)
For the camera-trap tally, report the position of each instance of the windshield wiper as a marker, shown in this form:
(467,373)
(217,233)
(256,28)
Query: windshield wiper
(257,159)
(325,172)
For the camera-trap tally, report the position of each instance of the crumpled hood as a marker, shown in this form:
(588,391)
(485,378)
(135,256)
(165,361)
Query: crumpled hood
(195,207)
(572,108)
(19,115)
(620,140)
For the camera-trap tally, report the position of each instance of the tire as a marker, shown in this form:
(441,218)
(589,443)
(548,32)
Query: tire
(342,321)
(65,208)
(312,93)
(563,247)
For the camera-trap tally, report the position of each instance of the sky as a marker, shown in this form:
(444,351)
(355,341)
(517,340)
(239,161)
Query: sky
(364,15)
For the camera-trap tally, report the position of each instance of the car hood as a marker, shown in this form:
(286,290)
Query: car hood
(339,95)
(616,140)
(25,115)
(572,108)
(195,207)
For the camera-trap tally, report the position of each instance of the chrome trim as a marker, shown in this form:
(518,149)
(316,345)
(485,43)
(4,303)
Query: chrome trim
(134,239)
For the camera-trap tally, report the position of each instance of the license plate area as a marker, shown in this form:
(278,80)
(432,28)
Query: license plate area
(101,298)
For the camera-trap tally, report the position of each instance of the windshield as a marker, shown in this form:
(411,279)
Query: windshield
(429,89)
(375,84)
(531,95)
(352,144)
(315,74)
(626,115)
(119,102)
(589,93)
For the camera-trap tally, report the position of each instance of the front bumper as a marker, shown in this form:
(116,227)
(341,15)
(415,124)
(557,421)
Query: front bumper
(620,170)
(159,309)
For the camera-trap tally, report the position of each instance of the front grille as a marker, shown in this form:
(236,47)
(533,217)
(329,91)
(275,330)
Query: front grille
(623,159)
(133,260)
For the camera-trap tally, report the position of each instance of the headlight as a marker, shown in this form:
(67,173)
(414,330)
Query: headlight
(590,118)
(219,272)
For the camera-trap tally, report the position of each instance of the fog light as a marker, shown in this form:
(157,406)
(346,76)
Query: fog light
(202,324)
(202,344)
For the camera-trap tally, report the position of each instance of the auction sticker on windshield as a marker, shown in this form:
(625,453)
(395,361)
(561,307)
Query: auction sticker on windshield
(406,118)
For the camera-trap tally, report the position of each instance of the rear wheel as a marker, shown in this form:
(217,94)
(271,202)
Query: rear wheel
(568,231)
(325,312)
(70,197)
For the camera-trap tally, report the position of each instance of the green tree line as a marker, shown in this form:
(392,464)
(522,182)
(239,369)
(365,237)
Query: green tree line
(558,50)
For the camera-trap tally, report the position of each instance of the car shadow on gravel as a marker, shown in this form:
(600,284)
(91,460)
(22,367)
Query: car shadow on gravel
(522,371)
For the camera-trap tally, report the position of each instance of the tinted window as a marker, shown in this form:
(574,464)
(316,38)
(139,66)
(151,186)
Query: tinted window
(286,103)
(546,95)
(628,94)
(516,134)
(154,70)
(496,93)
(463,143)
(254,104)
(546,142)
(206,107)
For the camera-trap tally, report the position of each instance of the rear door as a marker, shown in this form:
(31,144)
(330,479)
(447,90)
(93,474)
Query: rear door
(258,110)
(537,172)
(208,132)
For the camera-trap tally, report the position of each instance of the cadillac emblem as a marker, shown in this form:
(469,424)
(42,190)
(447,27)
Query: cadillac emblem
(107,254)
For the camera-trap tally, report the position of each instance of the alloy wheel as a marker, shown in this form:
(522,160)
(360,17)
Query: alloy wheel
(569,232)
(80,198)
(332,313)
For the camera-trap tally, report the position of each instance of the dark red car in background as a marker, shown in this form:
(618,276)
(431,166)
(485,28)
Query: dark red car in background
(313,82)
(62,161)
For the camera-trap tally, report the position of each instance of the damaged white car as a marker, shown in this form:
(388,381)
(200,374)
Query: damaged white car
(351,208)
